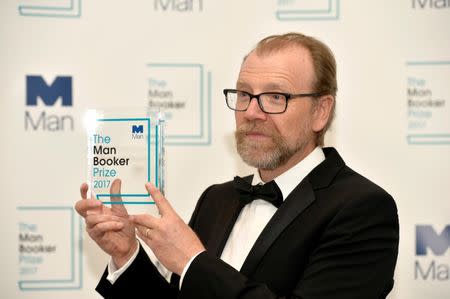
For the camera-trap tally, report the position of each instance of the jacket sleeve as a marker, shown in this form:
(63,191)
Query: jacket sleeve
(140,280)
(357,254)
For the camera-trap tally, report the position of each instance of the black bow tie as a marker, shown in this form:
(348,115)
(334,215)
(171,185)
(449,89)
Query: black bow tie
(269,192)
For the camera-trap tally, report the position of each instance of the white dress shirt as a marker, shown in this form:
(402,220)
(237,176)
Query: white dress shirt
(249,224)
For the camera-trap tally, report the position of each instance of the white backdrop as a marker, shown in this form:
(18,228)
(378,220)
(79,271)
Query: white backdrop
(392,125)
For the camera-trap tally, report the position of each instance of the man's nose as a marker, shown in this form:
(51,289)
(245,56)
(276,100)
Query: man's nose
(254,111)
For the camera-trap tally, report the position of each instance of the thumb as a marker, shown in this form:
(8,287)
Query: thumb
(116,199)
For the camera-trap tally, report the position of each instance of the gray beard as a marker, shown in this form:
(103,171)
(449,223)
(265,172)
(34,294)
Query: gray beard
(269,158)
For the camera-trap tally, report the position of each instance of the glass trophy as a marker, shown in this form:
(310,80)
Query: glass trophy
(125,144)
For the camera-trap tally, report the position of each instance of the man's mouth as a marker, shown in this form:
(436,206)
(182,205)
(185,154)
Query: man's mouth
(256,135)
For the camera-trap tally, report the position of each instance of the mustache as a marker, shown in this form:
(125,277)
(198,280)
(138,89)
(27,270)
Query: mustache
(254,128)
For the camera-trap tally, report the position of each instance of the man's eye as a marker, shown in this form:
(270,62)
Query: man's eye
(276,97)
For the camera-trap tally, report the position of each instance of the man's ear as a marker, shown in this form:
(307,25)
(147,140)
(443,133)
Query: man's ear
(322,112)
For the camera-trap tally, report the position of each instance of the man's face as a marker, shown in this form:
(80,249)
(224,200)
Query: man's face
(267,141)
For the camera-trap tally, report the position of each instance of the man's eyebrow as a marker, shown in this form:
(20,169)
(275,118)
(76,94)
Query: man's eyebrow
(274,87)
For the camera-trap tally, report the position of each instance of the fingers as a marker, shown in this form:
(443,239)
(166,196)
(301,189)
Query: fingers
(116,199)
(83,190)
(88,206)
(85,206)
(161,202)
(101,228)
(95,219)
(99,224)
(144,233)
(144,224)
(144,220)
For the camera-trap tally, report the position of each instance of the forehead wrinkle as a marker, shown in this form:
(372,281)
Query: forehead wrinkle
(268,77)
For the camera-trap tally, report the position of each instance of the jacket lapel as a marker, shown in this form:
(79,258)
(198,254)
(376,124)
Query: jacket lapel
(296,202)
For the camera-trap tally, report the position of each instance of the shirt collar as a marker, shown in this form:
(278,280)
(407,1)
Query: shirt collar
(288,180)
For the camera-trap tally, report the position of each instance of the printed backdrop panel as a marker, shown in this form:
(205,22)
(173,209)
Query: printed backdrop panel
(60,57)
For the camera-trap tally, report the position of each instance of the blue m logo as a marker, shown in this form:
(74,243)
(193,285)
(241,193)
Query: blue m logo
(426,237)
(60,88)
(137,129)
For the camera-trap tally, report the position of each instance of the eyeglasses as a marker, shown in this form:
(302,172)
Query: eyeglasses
(269,102)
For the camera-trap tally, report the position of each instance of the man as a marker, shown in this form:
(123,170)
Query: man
(303,226)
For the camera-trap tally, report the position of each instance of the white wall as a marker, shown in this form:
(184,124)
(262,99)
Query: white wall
(110,49)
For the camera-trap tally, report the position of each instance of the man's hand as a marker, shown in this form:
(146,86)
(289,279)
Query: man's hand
(172,241)
(110,228)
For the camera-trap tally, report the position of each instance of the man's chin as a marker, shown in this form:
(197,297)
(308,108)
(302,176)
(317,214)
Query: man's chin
(258,158)
(260,164)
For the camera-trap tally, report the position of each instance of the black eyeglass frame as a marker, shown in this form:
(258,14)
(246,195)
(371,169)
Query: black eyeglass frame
(288,96)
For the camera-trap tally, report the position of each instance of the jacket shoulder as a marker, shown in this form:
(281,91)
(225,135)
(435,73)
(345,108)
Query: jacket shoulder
(357,185)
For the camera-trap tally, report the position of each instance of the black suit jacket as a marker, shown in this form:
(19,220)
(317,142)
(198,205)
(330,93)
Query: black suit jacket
(335,236)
